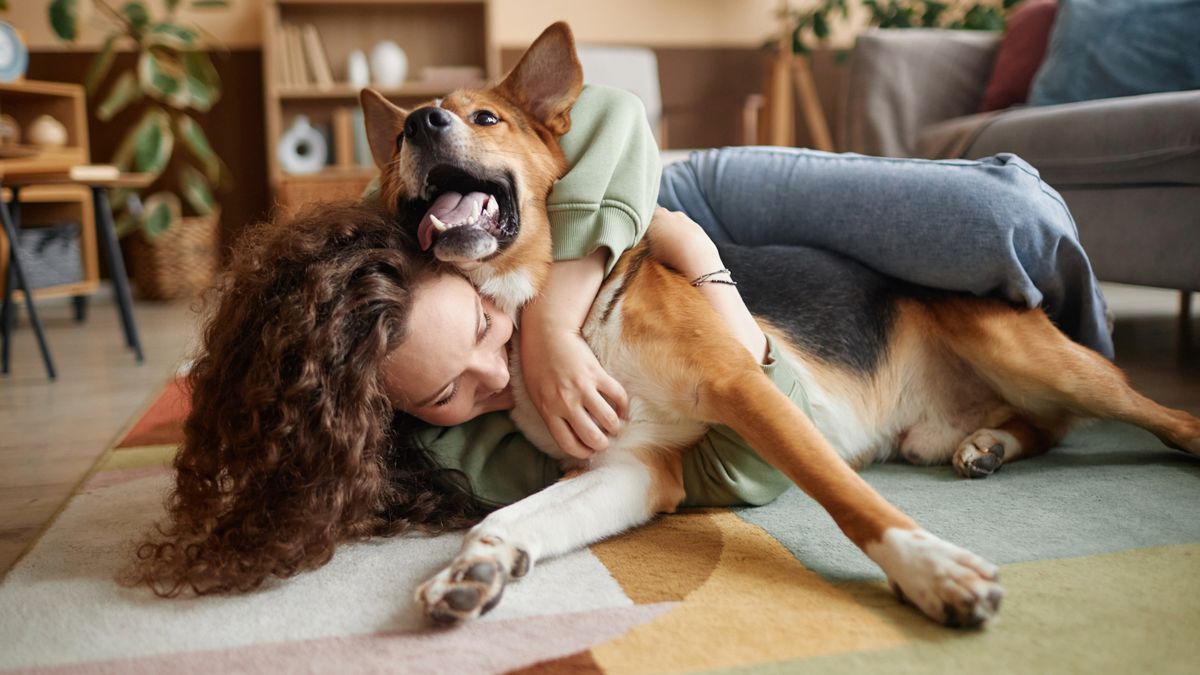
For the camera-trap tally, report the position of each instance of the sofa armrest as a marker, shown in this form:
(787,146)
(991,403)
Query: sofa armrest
(903,80)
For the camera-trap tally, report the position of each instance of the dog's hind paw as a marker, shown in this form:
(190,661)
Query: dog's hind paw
(948,584)
(983,452)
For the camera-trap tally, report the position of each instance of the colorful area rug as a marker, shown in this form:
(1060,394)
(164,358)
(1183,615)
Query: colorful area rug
(1099,542)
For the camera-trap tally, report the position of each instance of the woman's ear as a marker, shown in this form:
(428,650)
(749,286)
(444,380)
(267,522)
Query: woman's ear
(548,79)
(385,125)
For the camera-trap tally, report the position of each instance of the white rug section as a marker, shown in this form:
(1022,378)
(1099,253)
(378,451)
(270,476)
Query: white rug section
(61,605)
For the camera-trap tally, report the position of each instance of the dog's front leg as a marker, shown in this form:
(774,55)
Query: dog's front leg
(618,492)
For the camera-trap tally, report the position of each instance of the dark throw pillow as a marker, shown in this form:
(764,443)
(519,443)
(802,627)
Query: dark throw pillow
(1109,48)
(1020,53)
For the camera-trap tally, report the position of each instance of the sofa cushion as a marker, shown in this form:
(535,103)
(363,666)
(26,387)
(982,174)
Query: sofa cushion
(1133,140)
(1107,48)
(1021,52)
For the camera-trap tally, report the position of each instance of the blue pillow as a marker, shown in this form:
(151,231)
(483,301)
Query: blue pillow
(1107,48)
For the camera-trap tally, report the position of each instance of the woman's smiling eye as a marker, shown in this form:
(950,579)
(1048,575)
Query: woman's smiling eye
(447,398)
(485,118)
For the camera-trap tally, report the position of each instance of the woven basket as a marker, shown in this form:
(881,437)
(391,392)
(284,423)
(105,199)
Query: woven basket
(180,264)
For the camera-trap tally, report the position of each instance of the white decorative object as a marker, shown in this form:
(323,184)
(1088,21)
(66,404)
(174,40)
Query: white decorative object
(389,64)
(46,132)
(359,72)
(302,149)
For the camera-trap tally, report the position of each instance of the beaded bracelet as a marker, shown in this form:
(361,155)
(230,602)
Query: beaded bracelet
(708,279)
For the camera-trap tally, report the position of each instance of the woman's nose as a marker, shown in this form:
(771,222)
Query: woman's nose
(494,375)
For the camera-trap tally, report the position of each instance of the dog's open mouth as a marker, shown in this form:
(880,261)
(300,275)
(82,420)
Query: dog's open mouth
(460,200)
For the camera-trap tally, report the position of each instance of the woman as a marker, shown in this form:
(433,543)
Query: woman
(294,445)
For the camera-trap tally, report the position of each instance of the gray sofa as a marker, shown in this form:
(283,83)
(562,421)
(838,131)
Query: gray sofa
(1129,168)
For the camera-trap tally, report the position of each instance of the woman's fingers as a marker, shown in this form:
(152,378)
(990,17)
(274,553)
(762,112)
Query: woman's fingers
(566,440)
(615,395)
(603,414)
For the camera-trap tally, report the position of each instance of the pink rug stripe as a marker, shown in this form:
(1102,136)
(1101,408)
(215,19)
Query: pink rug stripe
(483,647)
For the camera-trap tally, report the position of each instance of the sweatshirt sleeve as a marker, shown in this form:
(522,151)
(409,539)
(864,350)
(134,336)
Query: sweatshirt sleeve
(723,470)
(608,195)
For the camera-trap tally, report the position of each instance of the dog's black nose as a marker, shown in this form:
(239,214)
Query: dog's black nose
(425,124)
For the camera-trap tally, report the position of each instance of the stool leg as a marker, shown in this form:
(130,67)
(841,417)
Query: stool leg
(14,262)
(116,265)
(80,304)
(8,313)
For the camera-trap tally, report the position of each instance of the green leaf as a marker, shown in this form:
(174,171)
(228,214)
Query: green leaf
(137,14)
(172,36)
(3,5)
(101,64)
(820,26)
(196,190)
(201,79)
(149,145)
(161,76)
(64,19)
(194,138)
(126,224)
(162,210)
(124,91)
(210,4)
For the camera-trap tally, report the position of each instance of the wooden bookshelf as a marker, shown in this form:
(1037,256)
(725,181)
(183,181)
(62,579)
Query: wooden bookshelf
(25,101)
(431,33)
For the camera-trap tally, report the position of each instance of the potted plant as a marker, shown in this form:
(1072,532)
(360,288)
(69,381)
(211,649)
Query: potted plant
(812,25)
(172,224)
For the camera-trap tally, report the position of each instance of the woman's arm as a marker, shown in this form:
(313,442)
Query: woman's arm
(597,211)
(679,242)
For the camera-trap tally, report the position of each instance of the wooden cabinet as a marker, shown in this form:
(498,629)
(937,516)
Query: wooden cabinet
(433,34)
(25,101)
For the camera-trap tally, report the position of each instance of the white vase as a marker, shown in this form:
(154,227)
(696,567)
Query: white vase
(359,73)
(47,132)
(389,64)
(302,149)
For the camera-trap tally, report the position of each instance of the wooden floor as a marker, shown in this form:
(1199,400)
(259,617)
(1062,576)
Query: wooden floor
(51,433)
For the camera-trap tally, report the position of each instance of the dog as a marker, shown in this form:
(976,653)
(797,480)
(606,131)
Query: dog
(929,376)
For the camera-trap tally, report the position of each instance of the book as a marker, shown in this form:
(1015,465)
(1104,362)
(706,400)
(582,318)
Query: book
(85,173)
(318,61)
(343,137)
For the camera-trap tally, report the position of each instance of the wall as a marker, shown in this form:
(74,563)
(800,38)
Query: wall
(713,23)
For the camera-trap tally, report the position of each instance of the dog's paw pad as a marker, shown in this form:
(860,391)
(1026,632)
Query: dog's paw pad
(467,589)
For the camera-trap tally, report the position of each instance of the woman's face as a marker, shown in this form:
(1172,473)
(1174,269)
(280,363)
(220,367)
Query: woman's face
(453,365)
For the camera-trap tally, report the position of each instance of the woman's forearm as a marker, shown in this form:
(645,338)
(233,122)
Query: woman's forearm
(567,297)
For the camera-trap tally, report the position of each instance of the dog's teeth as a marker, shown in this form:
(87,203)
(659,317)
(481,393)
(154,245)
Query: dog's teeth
(438,224)
(492,207)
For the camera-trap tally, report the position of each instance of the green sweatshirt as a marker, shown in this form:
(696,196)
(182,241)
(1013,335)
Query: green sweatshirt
(606,199)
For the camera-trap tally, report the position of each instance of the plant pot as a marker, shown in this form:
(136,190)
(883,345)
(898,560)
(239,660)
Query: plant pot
(180,264)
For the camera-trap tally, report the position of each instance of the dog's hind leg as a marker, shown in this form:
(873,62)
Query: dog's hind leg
(618,493)
(1040,371)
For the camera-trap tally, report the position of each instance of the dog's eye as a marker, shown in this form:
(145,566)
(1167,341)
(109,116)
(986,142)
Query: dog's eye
(485,118)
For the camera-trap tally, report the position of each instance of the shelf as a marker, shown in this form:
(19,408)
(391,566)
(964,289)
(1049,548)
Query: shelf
(346,92)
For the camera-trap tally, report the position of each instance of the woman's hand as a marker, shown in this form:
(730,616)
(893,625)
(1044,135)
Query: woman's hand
(678,241)
(581,404)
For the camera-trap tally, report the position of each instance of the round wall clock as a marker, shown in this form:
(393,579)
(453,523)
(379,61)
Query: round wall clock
(14,57)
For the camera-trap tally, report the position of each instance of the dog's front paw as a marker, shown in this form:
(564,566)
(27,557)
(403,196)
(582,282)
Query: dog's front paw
(474,582)
(983,452)
(467,589)
(950,585)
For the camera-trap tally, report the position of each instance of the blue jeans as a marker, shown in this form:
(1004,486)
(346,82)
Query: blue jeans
(988,227)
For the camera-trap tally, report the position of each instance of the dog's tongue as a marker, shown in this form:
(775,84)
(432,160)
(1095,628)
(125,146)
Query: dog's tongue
(453,209)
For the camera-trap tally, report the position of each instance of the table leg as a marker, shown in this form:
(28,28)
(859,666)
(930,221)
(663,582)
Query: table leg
(116,265)
(18,274)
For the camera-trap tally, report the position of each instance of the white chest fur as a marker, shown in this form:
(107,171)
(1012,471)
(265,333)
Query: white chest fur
(655,419)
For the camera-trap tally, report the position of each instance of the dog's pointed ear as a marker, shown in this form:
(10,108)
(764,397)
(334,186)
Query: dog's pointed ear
(385,125)
(548,78)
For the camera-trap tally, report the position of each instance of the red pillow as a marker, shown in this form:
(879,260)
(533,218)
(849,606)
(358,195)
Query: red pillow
(1021,52)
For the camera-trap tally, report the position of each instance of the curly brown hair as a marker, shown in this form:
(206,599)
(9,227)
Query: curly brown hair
(292,446)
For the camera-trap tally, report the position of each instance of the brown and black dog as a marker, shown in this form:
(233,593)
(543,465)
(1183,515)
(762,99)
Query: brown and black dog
(941,377)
